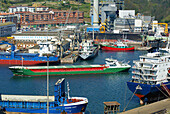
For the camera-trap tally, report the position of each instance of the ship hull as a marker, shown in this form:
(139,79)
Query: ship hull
(20,62)
(66,71)
(110,48)
(90,56)
(59,109)
(147,91)
(25,59)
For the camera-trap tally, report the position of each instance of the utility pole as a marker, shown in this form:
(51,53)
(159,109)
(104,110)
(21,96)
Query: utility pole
(47,84)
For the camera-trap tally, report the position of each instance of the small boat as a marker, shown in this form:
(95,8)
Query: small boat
(111,66)
(151,76)
(59,103)
(117,46)
(88,50)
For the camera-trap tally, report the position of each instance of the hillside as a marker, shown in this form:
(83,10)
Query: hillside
(158,8)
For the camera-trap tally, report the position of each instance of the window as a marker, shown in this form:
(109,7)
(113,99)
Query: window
(74,13)
(42,16)
(64,14)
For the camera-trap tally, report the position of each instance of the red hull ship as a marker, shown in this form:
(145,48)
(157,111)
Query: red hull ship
(118,46)
(16,58)
(114,48)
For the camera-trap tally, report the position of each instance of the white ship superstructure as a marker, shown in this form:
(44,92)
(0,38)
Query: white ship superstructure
(88,50)
(152,68)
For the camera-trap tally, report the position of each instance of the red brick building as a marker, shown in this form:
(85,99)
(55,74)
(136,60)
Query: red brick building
(50,18)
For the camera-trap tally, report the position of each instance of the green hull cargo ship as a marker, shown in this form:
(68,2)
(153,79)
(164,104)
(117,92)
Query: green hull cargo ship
(111,66)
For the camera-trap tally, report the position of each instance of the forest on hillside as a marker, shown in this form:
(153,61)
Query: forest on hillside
(158,8)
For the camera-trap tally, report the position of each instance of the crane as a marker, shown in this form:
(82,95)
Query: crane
(166,26)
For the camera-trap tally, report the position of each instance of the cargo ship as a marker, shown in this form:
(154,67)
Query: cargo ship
(59,103)
(16,58)
(151,80)
(88,50)
(116,46)
(111,66)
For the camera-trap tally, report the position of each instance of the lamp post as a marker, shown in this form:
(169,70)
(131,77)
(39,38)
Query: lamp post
(47,84)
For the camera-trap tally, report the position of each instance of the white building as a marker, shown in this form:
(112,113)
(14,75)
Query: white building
(14,9)
(31,38)
(126,13)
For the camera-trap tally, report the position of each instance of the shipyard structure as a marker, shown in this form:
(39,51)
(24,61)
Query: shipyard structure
(110,18)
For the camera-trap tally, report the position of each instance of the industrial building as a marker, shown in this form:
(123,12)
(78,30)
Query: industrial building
(51,18)
(8,17)
(7,29)
(110,16)
(106,11)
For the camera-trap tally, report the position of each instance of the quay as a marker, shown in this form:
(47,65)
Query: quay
(70,59)
(160,107)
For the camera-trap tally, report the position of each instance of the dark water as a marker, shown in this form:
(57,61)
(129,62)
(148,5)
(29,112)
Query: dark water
(97,88)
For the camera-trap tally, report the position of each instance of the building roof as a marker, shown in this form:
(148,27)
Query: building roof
(6,13)
(111,103)
(23,12)
(7,23)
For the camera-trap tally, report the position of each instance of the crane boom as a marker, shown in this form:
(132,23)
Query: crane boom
(166,27)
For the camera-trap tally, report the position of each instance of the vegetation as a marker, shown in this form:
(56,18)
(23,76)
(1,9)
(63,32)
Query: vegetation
(158,8)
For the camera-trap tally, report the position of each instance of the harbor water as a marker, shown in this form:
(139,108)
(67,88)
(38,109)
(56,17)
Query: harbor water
(98,88)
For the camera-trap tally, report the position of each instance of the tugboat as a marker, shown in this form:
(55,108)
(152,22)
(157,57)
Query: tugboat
(111,66)
(117,46)
(151,79)
(59,103)
(88,50)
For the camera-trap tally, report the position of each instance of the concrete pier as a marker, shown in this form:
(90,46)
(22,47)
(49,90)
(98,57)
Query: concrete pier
(160,107)
(70,59)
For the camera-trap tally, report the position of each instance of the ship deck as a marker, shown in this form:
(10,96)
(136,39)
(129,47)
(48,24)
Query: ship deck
(54,67)
(28,98)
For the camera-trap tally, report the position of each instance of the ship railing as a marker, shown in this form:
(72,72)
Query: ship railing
(145,68)
(148,62)
(135,77)
(151,74)
(28,105)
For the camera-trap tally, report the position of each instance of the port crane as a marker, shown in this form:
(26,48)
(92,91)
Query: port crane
(166,27)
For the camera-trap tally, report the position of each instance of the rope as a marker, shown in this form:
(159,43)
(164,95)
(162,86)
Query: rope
(130,99)
(161,91)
